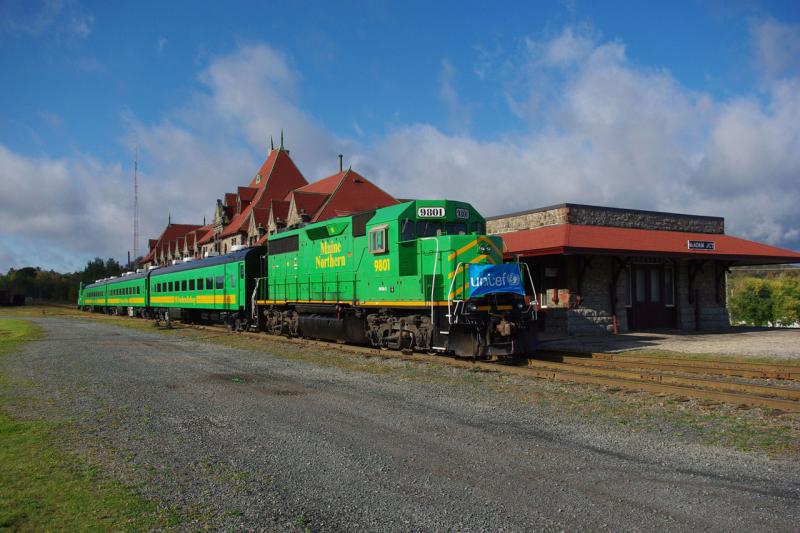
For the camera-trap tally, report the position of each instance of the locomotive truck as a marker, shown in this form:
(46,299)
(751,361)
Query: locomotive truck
(420,275)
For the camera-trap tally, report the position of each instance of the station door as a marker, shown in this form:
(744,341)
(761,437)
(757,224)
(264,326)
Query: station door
(653,295)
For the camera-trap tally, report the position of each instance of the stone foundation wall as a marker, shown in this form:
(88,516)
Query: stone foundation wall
(712,315)
(529,220)
(629,218)
(592,316)
(604,216)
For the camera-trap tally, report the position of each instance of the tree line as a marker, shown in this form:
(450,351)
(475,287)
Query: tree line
(52,286)
(764,297)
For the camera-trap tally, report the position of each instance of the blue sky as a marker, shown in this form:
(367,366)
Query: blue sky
(682,106)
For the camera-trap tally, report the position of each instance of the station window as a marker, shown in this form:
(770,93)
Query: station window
(220,282)
(640,285)
(377,240)
(184,286)
(669,287)
(655,287)
(627,282)
(209,284)
(191,284)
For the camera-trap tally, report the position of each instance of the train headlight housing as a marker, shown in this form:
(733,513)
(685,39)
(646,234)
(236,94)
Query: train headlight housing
(484,249)
(472,307)
(520,305)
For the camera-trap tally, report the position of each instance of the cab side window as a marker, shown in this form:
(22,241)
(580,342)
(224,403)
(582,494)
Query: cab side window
(377,240)
(407,230)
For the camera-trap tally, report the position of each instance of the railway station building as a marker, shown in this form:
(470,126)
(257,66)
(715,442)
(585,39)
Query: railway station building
(603,269)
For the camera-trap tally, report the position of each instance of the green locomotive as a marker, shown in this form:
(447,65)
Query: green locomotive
(421,275)
(409,276)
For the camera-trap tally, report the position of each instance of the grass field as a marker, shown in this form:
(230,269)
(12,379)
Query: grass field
(45,487)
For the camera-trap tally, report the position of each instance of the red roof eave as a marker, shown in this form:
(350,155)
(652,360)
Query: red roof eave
(580,239)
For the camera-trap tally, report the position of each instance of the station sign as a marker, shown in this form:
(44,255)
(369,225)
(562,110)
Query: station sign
(701,245)
(430,212)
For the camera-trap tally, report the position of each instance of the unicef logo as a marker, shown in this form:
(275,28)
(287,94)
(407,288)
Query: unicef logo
(513,279)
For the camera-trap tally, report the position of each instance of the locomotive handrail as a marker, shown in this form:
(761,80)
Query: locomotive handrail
(450,291)
(433,279)
(253,307)
(535,302)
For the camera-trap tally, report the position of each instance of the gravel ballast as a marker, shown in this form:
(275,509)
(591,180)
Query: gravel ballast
(252,440)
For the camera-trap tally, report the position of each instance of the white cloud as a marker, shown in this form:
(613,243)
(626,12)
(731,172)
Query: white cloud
(596,129)
(776,47)
(62,18)
(615,134)
(458,114)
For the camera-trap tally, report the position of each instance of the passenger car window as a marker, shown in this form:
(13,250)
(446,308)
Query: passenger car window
(170,287)
(183,285)
(191,284)
(209,284)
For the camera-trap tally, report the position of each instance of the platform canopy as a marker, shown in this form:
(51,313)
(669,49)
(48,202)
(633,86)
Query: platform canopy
(570,239)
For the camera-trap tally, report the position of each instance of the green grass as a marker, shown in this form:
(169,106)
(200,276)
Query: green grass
(40,310)
(46,487)
(16,332)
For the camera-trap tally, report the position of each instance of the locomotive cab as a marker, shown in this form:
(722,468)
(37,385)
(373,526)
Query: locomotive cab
(479,305)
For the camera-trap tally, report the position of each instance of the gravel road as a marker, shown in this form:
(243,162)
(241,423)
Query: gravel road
(256,441)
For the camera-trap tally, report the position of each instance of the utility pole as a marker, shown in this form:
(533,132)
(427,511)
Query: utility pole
(136,205)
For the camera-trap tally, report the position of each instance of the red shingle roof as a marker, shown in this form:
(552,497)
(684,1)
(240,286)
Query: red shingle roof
(308,202)
(325,185)
(353,194)
(573,238)
(279,209)
(247,194)
(205,234)
(279,175)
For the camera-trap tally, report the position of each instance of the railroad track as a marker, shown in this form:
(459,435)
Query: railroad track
(707,380)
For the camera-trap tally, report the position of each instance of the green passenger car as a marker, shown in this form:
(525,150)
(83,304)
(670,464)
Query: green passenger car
(122,295)
(403,271)
(219,285)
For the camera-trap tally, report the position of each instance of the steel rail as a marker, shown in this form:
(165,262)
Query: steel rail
(743,370)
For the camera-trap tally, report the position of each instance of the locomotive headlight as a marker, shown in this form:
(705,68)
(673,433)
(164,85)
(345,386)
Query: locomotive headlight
(472,307)
(483,249)
(520,305)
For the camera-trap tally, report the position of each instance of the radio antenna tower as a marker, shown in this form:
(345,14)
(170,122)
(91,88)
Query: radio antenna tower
(136,205)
